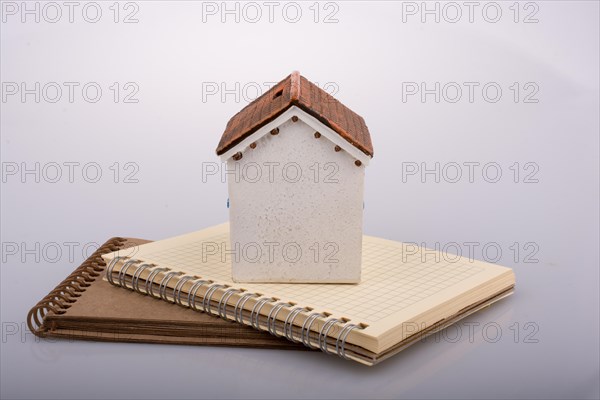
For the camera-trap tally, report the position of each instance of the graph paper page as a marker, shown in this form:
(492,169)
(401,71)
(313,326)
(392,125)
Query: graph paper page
(399,281)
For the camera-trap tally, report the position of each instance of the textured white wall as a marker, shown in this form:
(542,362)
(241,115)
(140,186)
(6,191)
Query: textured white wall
(318,212)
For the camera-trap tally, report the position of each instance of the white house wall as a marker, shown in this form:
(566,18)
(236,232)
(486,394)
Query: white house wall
(296,209)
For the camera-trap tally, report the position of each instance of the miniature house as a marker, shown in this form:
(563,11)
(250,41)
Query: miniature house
(295,163)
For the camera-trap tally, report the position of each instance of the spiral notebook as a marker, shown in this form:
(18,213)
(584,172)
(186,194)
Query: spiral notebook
(406,293)
(85,307)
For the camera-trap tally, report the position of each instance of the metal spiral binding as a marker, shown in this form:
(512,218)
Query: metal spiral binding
(194,291)
(222,308)
(340,347)
(306,326)
(150,280)
(324,332)
(240,306)
(135,279)
(206,305)
(179,286)
(162,288)
(212,288)
(123,271)
(271,327)
(109,269)
(256,311)
(288,325)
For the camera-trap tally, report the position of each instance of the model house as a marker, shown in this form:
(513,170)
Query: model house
(295,161)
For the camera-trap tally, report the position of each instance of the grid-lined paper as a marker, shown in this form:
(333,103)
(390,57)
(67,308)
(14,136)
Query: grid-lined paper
(392,278)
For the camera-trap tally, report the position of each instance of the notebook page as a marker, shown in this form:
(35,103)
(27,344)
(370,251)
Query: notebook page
(397,282)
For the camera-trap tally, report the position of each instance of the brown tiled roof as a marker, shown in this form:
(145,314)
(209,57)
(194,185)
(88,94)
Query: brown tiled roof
(295,90)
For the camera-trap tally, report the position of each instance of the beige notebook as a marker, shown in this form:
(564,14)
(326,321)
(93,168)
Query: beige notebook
(405,292)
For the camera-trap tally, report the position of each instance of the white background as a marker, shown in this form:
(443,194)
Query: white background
(548,346)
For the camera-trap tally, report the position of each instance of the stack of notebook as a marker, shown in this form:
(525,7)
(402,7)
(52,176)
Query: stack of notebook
(180,294)
(85,306)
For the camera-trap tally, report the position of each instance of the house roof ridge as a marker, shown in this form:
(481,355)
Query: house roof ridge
(295,87)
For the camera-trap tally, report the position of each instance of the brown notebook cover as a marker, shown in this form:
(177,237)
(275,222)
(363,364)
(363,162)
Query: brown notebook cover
(84,306)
